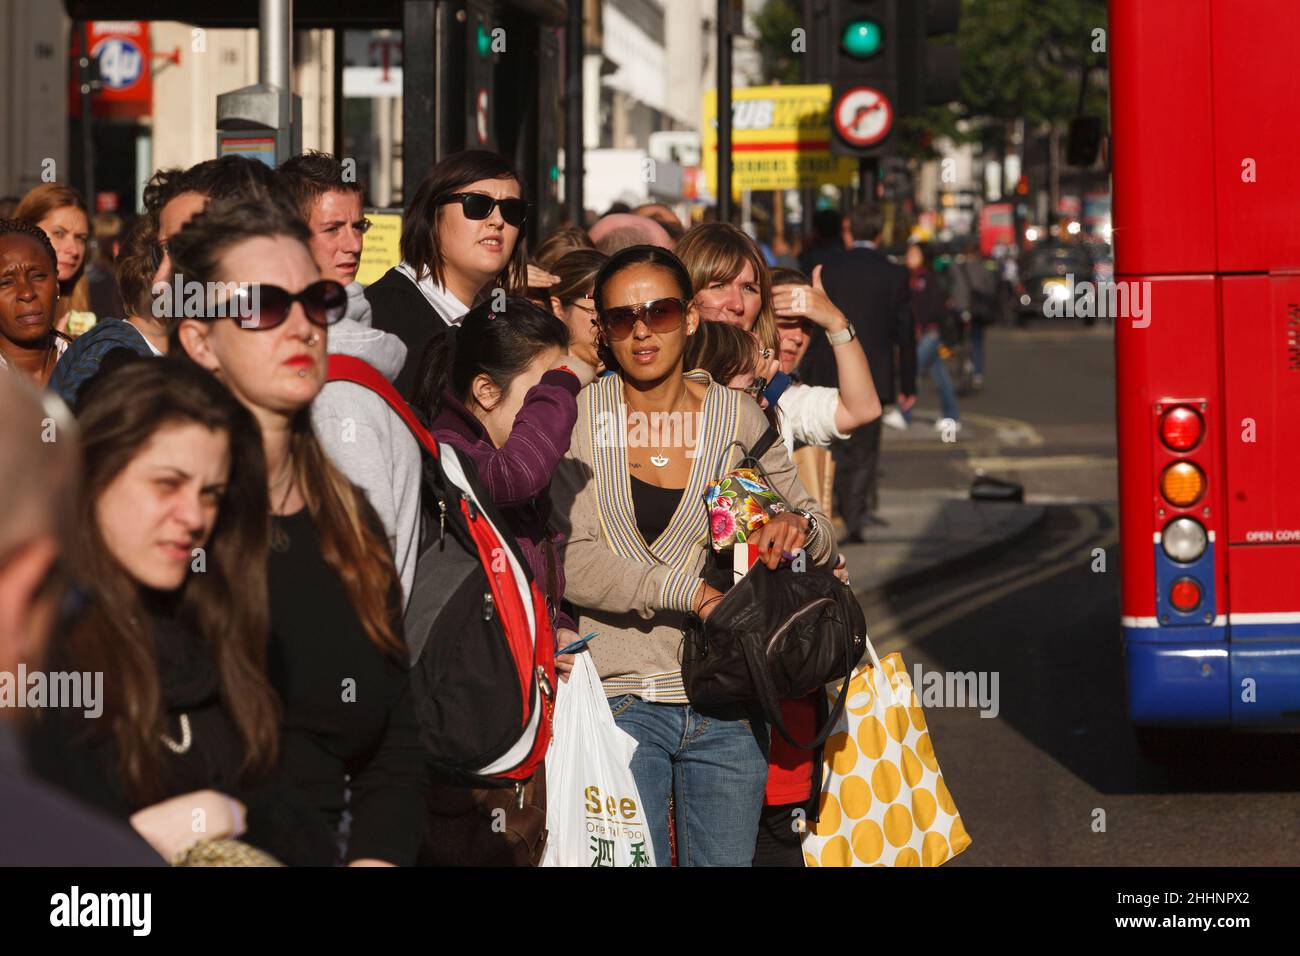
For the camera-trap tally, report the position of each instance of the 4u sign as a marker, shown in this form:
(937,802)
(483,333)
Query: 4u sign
(121,49)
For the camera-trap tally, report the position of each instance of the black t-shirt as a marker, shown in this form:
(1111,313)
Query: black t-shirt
(348,719)
(84,760)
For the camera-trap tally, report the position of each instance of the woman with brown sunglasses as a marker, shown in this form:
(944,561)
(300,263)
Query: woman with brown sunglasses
(337,653)
(629,498)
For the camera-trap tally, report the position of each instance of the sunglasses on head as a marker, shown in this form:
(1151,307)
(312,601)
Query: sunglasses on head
(480,206)
(265,306)
(659,315)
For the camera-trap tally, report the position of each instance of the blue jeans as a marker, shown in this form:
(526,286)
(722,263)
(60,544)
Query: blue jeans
(927,357)
(717,770)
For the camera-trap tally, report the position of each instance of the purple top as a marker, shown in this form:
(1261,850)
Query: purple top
(517,476)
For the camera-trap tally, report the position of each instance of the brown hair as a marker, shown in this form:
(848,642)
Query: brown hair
(225,607)
(724,351)
(559,244)
(38,203)
(577,271)
(307,177)
(420,226)
(717,252)
(134,269)
(344,519)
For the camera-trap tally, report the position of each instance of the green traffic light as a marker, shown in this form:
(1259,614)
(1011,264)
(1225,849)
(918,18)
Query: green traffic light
(484,41)
(861,38)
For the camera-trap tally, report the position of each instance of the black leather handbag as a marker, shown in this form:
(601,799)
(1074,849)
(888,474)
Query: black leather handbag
(773,635)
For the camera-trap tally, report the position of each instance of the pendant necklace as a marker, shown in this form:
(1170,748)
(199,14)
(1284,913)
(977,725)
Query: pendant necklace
(279,540)
(659,460)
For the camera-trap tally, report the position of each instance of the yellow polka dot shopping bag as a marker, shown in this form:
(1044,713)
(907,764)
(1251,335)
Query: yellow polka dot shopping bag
(883,801)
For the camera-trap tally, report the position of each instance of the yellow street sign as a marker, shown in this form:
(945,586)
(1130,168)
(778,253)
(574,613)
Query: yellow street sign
(780,139)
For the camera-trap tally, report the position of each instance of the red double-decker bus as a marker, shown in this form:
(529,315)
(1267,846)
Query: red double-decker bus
(1205,103)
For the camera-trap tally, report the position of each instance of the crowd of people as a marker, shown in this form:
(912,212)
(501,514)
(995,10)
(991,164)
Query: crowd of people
(216,431)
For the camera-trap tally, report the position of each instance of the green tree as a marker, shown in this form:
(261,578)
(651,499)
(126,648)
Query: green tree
(776,23)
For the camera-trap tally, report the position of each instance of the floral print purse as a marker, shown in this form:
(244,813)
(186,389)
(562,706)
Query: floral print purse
(741,501)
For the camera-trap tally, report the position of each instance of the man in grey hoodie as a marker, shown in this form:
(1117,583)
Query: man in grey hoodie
(364,438)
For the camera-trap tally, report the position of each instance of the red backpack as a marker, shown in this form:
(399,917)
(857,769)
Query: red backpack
(480,638)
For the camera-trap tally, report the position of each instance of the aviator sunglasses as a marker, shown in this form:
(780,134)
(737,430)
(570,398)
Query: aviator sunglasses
(325,302)
(480,206)
(659,315)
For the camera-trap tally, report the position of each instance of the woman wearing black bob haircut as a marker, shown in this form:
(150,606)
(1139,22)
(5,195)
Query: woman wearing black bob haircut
(461,238)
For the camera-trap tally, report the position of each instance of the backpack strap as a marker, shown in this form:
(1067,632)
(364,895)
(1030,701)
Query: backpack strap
(766,441)
(349,368)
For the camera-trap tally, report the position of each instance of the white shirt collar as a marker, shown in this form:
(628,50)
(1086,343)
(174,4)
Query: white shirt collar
(448,307)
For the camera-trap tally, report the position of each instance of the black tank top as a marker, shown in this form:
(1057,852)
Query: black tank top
(654,507)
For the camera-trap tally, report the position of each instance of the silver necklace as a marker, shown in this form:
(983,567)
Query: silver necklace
(659,460)
(186,737)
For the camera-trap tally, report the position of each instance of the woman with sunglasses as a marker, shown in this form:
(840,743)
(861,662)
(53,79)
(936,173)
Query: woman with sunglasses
(30,345)
(460,242)
(629,495)
(571,302)
(171,528)
(337,652)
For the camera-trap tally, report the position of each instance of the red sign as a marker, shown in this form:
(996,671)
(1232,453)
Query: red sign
(863,116)
(121,48)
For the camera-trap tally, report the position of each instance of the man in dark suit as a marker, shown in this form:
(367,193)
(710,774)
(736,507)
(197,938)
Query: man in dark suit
(40,826)
(873,293)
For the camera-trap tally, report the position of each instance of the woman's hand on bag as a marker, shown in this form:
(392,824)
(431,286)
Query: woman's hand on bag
(706,599)
(808,302)
(780,538)
(564,662)
(177,824)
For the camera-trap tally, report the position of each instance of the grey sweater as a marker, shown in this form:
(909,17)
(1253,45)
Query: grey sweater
(636,595)
(368,441)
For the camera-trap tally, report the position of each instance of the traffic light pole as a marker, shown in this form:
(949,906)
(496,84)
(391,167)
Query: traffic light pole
(724,111)
(573,171)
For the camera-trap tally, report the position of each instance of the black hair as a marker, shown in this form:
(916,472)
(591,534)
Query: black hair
(642,255)
(499,345)
(827,226)
(32,231)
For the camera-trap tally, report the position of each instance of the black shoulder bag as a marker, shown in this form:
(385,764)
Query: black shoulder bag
(775,634)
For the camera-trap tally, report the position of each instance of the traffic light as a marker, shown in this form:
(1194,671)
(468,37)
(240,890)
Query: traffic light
(868,43)
(483,36)
(937,64)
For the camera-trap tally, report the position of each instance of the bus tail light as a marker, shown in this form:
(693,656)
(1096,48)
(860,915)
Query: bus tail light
(1181,427)
(1185,595)
(1182,484)
(1184,540)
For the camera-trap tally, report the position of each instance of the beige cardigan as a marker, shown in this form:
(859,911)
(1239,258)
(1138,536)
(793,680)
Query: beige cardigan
(636,595)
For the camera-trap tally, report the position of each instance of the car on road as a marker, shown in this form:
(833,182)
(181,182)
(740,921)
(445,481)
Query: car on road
(1045,273)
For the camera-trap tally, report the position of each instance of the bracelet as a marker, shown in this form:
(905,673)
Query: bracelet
(846,334)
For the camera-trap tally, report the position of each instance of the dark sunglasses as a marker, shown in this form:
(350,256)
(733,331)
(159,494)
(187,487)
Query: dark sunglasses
(266,306)
(659,315)
(480,206)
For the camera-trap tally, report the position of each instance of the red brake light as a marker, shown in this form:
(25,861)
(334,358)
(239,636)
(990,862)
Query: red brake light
(1181,427)
(1185,595)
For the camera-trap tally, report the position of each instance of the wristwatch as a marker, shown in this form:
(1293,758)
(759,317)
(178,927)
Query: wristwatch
(846,334)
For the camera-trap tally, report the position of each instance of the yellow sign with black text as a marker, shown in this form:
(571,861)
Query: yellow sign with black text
(382,247)
(780,139)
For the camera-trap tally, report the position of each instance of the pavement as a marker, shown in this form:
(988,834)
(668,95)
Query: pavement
(931,533)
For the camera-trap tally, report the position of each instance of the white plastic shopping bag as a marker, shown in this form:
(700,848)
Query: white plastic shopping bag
(593,811)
